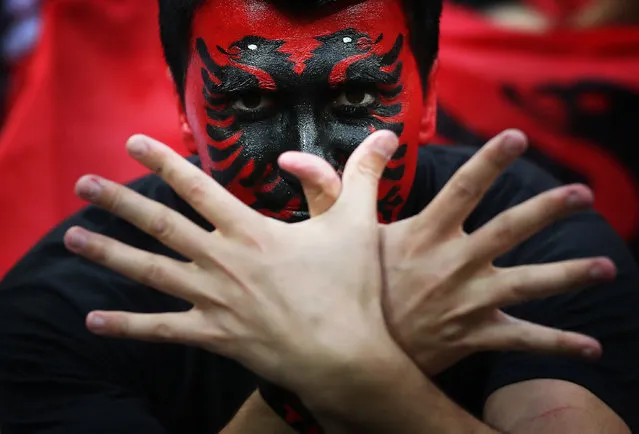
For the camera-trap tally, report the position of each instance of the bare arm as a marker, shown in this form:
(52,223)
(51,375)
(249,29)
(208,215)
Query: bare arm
(551,406)
(256,417)
(396,397)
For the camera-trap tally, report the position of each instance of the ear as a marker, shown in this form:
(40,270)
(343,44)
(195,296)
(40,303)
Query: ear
(187,134)
(428,125)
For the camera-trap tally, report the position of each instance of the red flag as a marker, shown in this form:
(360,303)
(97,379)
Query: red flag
(575,93)
(96,77)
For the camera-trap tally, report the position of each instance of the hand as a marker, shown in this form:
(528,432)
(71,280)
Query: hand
(442,293)
(299,304)
(605,13)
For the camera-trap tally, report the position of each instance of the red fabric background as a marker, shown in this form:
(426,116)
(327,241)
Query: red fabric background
(576,94)
(96,77)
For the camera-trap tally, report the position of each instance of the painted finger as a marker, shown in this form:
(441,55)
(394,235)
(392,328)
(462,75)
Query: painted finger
(320,182)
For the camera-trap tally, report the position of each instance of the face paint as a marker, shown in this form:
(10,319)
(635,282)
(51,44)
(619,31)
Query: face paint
(261,83)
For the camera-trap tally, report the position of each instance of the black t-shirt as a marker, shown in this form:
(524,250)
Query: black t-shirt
(57,378)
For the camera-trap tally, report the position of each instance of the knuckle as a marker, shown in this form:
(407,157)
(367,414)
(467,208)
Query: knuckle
(516,291)
(561,340)
(465,188)
(115,200)
(98,249)
(504,230)
(524,339)
(162,331)
(371,165)
(152,274)
(452,332)
(195,190)
(162,226)
(119,326)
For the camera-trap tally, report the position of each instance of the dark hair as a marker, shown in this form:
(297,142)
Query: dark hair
(176,17)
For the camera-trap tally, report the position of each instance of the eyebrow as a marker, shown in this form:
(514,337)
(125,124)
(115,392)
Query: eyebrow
(359,74)
(367,75)
(235,87)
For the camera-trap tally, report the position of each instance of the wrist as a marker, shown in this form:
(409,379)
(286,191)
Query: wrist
(358,382)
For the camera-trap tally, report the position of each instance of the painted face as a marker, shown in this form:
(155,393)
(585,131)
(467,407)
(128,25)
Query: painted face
(261,82)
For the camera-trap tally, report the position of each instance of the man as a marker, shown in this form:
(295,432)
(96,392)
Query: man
(304,305)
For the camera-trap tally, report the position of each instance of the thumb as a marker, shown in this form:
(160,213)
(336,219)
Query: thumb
(363,172)
(320,182)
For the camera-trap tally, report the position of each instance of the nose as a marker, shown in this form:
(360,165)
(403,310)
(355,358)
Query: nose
(307,133)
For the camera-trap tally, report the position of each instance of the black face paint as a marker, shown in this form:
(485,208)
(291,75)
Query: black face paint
(264,102)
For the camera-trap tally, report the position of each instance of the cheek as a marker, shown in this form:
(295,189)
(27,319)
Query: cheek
(413,107)
(196,116)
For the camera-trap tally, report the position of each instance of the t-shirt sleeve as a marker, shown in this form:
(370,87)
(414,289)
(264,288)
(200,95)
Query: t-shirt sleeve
(55,378)
(607,312)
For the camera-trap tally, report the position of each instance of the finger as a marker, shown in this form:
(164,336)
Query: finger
(175,327)
(519,284)
(463,192)
(513,334)
(319,180)
(200,190)
(364,168)
(164,274)
(166,225)
(519,223)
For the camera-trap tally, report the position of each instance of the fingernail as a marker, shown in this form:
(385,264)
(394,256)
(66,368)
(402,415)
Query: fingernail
(89,188)
(514,143)
(137,146)
(589,353)
(575,200)
(385,145)
(96,321)
(601,272)
(76,240)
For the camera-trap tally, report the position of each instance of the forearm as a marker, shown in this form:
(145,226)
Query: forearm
(256,417)
(400,400)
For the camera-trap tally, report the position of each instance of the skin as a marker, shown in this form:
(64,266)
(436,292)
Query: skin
(259,85)
(411,320)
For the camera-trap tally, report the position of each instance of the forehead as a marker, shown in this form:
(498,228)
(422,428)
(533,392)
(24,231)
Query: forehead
(223,22)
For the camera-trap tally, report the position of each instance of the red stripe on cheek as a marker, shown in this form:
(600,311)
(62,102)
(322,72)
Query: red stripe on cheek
(225,164)
(391,119)
(228,142)
(267,188)
(225,123)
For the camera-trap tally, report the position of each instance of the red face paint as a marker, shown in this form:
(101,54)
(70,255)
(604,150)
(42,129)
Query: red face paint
(261,82)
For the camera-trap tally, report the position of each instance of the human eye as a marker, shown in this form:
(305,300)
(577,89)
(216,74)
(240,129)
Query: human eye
(354,100)
(252,104)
